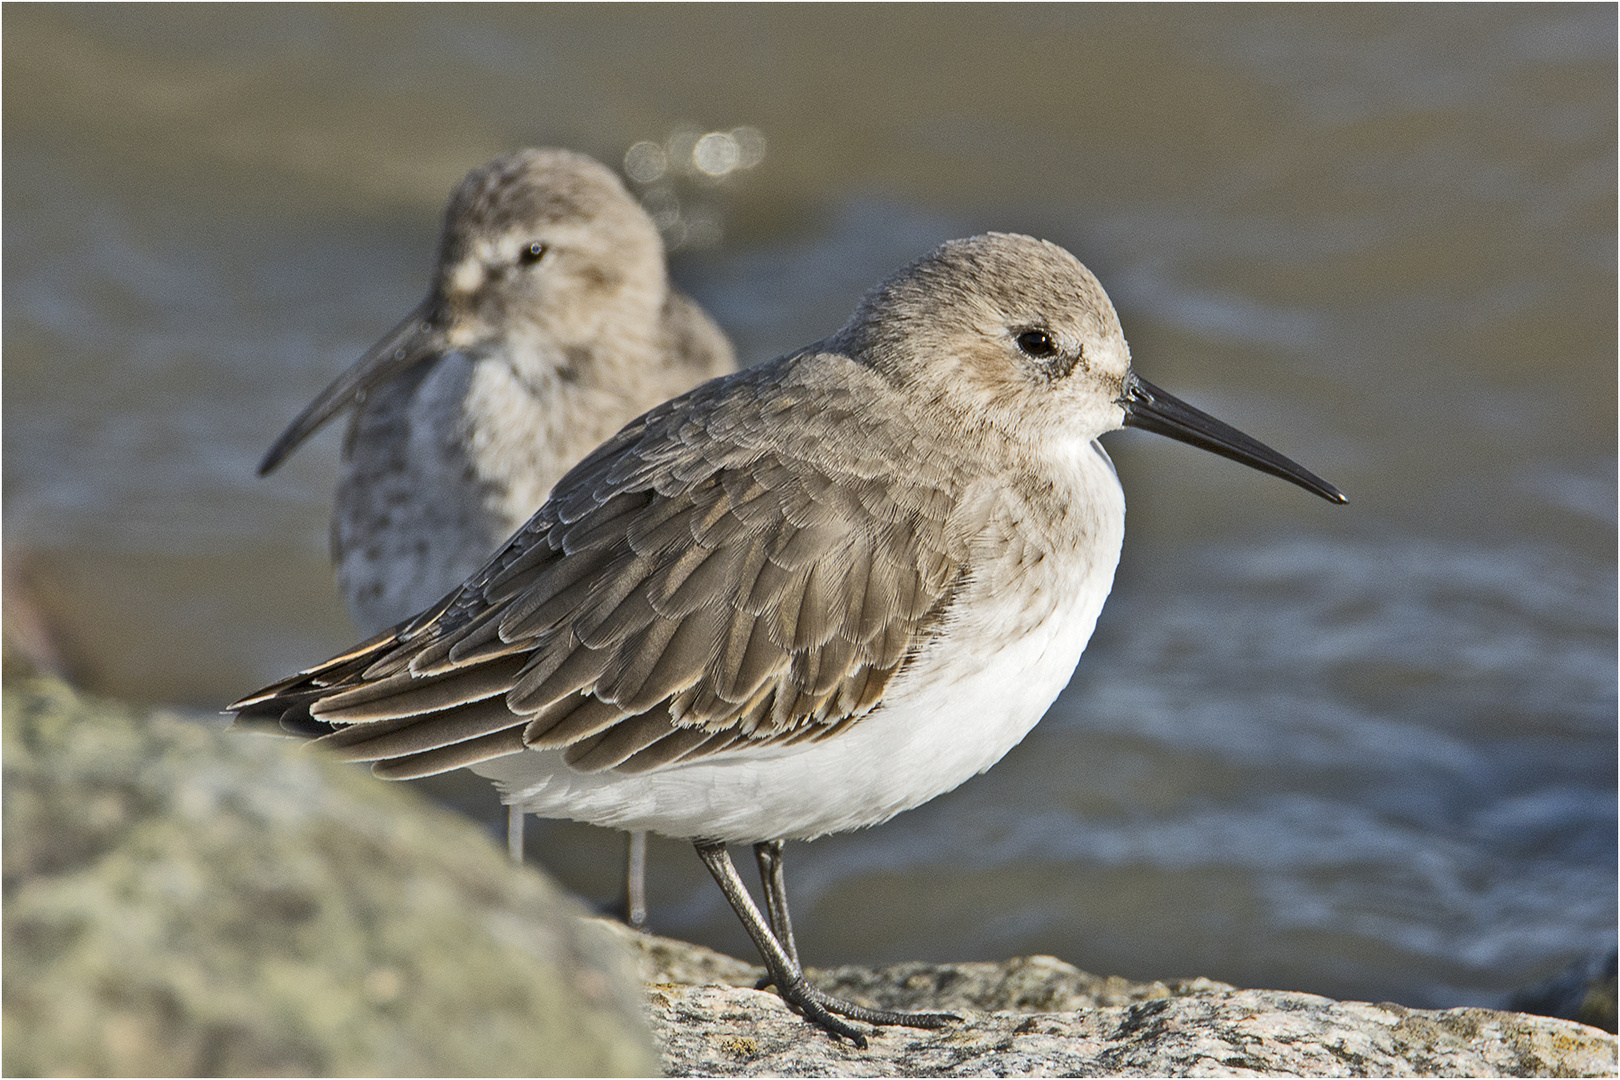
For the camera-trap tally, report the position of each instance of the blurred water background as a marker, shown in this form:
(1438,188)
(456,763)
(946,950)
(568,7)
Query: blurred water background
(1367,751)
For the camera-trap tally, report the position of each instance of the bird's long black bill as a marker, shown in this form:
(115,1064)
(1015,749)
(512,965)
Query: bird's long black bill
(413,340)
(1151,409)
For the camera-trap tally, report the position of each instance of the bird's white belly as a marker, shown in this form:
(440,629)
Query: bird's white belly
(969,699)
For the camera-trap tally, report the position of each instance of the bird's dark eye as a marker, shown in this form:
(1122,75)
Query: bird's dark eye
(531,254)
(1038,344)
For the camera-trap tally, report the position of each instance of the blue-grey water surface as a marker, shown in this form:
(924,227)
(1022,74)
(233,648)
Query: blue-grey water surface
(1368,751)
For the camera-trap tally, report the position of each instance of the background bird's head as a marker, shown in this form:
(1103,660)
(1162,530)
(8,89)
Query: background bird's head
(546,245)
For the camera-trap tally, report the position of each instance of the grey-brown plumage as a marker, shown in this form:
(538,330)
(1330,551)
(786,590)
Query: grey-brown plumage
(752,562)
(550,323)
(765,595)
(799,599)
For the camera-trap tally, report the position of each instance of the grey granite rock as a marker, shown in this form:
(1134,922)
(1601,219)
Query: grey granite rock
(1040,1016)
(183,900)
(1025,984)
(729,1031)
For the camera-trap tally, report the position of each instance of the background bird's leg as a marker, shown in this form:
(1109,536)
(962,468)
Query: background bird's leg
(768,853)
(635,881)
(814,1004)
(514,833)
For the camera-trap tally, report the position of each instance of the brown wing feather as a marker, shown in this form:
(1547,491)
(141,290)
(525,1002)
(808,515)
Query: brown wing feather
(454,756)
(702,582)
(384,739)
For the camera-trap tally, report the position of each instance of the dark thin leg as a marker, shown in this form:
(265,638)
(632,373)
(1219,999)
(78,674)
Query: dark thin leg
(635,881)
(814,1004)
(768,854)
(514,833)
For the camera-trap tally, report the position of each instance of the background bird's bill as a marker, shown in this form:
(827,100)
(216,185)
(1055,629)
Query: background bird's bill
(415,339)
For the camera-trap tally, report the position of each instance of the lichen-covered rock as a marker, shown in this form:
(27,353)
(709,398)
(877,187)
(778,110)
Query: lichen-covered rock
(182,900)
(1037,1015)
(1218,1031)
(1024,984)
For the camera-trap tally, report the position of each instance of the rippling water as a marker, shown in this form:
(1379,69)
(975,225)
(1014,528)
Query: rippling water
(1369,751)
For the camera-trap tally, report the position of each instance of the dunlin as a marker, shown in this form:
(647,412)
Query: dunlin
(550,323)
(799,599)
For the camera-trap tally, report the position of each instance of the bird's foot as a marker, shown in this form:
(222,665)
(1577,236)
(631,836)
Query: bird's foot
(820,1007)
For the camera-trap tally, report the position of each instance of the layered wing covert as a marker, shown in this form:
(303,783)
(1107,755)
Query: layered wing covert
(735,568)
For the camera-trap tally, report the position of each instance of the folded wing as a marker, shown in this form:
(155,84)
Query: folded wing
(693,587)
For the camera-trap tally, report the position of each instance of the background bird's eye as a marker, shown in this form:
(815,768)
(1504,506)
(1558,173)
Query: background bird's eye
(531,254)
(1037,343)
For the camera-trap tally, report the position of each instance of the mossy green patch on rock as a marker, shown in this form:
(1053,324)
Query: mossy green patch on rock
(180,899)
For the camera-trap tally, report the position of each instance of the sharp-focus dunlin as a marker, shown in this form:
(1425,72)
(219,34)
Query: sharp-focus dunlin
(550,323)
(799,599)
